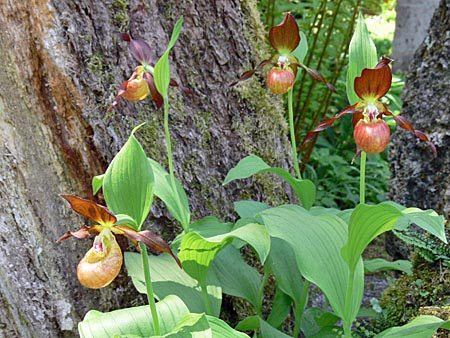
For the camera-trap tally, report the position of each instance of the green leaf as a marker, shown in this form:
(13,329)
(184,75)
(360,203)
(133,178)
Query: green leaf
(221,329)
(236,277)
(268,331)
(192,325)
(281,308)
(252,164)
(366,223)
(126,220)
(249,209)
(362,54)
(315,319)
(419,327)
(250,323)
(128,182)
(133,321)
(379,264)
(317,242)
(162,67)
(97,183)
(284,266)
(197,252)
(163,190)
(428,220)
(168,278)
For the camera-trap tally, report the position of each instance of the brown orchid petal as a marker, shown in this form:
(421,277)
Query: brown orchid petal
(185,90)
(84,232)
(90,209)
(156,97)
(140,50)
(402,122)
(249,73)
(326,123)
(122,89)
(374,83)
(383,62)
(316,75)
(285,37)
(151,240)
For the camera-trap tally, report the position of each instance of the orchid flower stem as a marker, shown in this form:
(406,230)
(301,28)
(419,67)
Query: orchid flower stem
(300,308)
(348,304)
(206,300)
(261,289)
(362,179)
(170,157)
(292,132)
(148,284)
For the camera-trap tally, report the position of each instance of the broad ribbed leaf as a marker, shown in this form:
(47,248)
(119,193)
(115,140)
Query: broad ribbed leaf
(268,330)
(128,182)
(236,277)
(192,325)
(428,220)
(366,223)
(221,329)
(317,242)
(178,207)
(197,252)
(379,264)
(252,164)
(249,209)
(362,54)
(133,321)
(169,279)
(419,327)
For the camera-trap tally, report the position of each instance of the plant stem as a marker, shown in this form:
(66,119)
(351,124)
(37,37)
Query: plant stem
(170,158)
(148,284)
(362,179)
(348,304)
(292,132)
(300,307)
(206,300)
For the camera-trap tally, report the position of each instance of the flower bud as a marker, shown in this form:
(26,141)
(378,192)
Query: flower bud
(280,80)
(371,137)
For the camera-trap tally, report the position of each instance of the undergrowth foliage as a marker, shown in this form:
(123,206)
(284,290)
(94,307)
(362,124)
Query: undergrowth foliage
(295,244)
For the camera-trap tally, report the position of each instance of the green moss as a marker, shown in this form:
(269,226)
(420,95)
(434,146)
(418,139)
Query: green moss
(427,286)
(121,18)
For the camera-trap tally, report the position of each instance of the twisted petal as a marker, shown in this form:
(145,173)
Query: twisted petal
(140,50)
(374,83)
(326,123)
(147,237)
(316,75)
(249,73)
(285,37)
(402,122)
(90,209)
(84,232)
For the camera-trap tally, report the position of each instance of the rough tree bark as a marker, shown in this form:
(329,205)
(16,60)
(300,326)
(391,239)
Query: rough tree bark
(60,68)
(417,178)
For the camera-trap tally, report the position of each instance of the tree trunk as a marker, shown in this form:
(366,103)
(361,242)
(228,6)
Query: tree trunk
(61,68)
(419,179)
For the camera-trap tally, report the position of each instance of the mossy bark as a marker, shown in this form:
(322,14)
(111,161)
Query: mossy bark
(61,67)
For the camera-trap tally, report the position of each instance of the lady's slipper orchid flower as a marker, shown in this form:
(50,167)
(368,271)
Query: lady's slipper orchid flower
(370,131)
(102,263)
(141,83)
(285,38)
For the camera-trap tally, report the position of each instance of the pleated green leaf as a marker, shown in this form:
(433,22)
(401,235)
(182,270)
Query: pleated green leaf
(168,279)
(379,264)
(176,201)
(128,182)
(362,54)
(252,164)
(366,223)
(317,242)
(235,277)
(420,327)
(133,321)
(197,252)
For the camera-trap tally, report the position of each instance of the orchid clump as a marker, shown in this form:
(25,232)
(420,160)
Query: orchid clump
(285,39)
(371,132)
(102,263)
